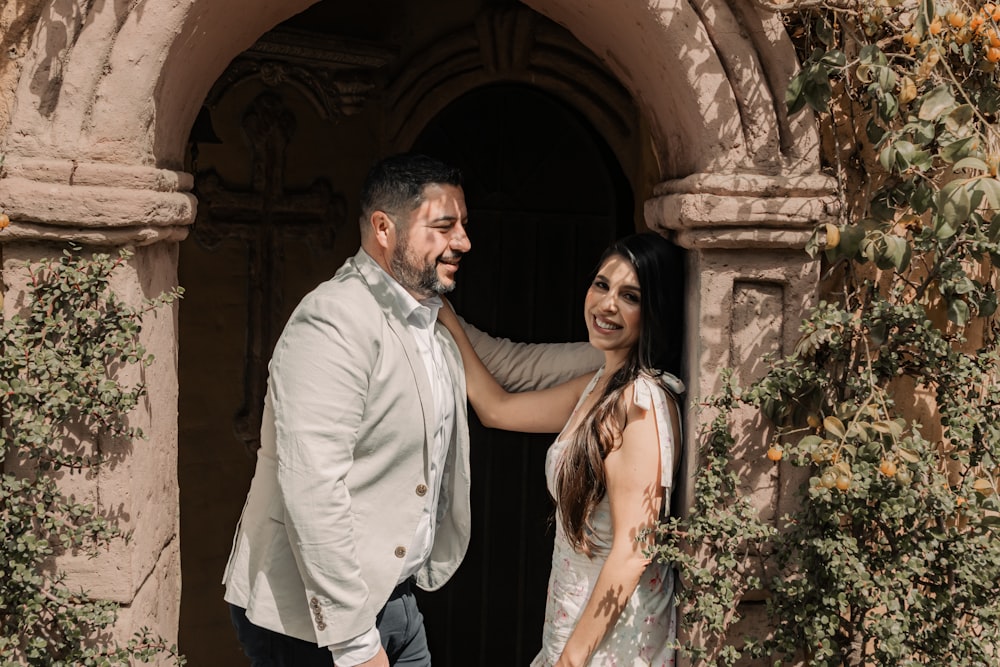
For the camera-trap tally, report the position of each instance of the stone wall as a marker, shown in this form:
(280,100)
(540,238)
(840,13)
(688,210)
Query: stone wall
(17,23)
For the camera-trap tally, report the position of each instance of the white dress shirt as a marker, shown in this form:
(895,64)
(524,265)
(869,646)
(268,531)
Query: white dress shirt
(421,317)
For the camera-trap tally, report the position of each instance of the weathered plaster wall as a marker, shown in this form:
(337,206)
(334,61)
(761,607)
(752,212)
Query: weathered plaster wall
(17,22)
(138,484)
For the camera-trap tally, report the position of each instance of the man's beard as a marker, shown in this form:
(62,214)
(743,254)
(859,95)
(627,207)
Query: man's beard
(415,275)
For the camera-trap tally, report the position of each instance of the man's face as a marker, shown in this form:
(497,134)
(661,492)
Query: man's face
(430,244)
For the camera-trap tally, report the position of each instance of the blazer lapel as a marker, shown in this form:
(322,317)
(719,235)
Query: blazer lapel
(375,278)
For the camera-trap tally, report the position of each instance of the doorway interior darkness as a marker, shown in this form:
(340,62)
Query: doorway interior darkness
(545,197)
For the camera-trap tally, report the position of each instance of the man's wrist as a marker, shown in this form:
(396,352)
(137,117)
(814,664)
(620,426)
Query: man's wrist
(355,651)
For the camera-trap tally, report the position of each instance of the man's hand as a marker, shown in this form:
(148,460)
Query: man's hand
(380,660)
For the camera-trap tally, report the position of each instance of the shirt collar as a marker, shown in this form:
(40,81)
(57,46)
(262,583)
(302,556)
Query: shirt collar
(421,313)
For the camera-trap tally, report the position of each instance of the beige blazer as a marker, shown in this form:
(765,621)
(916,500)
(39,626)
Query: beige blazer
(340,480)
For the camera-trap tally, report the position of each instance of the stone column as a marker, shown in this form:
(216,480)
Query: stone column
(103,207)
(750,283)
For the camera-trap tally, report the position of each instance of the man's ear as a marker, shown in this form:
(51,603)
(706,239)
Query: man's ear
(383,229)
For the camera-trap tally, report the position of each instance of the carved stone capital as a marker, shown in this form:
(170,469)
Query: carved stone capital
(94,204)
(743,210)
(335,74)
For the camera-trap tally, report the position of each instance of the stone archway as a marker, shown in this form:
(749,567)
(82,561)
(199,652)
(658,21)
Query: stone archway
(108,93)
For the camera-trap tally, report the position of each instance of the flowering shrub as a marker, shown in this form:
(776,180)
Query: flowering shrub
(58,391)
(889,402)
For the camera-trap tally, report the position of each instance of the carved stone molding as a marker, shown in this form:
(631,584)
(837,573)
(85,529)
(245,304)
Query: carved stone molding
(94,204)
(335,74)
(262,215)
(743,210)
(510,45)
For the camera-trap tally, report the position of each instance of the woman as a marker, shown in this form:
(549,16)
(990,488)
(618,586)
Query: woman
(611,467)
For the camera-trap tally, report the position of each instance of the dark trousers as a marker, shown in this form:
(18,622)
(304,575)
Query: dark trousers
(400,624)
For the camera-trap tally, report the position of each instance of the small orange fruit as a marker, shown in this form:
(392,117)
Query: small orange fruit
(4,221)
(994,38)
(911,39)
(888,468)
(843,482)
(775,452)
(993,54)
(935,27)
(975,23)
(956,19)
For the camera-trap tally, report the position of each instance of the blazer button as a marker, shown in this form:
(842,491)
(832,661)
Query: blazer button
(321,626)
(400,552)
(421,489)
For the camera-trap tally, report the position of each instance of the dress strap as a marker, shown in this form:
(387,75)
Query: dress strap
(648,393)
(579,402)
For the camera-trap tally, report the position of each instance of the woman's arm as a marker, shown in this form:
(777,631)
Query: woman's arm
(633,481)
(544,411)
(529,366)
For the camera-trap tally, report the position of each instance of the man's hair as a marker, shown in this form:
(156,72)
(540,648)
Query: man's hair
(396,184)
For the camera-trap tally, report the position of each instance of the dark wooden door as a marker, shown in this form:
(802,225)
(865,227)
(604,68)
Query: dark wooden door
(545,198)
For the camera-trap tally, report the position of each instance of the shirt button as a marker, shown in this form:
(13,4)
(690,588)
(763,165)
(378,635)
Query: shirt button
(421,489)
(400,552)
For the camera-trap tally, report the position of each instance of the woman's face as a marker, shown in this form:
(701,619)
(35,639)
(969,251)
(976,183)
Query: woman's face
(612,307)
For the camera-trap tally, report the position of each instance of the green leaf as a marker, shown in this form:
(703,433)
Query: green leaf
(810,441)
(936,103)
(834,426)
(970,163)
(874,131)
(922,197)
(887,156)
(824,31)
(850,241)
(957,150)
(898,252)
(794,99)
(958,312)
(959,120)
(872,55)
(987,304)
(834,58)
(989,186)
(954,206)
(928,10)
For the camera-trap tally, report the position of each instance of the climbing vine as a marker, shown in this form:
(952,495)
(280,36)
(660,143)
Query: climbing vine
(60,398)
(888,407)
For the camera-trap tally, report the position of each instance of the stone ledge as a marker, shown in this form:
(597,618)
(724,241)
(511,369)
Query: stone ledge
(93,206)
(102,238)
(744,239)
(701,210)
(71,172)
(750,184)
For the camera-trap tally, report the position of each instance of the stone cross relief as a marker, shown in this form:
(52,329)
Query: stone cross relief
(263,217)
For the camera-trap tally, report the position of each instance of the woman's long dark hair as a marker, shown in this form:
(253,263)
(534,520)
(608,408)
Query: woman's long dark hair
(580,477)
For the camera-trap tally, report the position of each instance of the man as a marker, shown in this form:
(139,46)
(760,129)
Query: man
(362,479)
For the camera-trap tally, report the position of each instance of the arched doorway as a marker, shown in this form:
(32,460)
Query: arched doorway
(103,165)
(546,196)
(277,177)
